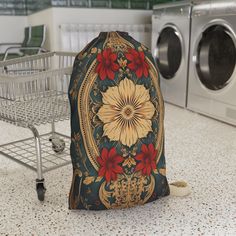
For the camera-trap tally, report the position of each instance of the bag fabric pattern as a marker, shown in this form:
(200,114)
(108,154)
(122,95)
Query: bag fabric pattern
(117,133)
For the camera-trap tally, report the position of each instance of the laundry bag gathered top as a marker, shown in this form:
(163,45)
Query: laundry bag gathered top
(117,133)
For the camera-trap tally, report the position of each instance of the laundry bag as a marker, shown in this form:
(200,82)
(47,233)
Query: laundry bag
(117,132)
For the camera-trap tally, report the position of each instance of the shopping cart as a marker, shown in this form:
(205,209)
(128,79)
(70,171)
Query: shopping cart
(33,91)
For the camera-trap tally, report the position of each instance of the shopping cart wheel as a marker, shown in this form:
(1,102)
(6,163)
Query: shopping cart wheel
(58,144)
(40,191)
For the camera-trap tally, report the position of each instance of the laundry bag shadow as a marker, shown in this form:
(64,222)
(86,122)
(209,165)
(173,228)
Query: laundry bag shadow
(117,132)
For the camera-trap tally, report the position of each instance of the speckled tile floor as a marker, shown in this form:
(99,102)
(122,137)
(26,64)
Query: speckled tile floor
(199,150)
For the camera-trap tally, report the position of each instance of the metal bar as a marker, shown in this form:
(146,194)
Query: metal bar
(11,143)
(18,161)
(63,135)
(38,151)
(55,167)
(37,96)
(53,127)
(30,145)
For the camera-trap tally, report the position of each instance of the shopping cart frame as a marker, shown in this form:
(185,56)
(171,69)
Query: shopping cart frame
(29,83)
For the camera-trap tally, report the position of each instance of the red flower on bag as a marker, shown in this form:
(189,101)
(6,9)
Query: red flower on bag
(137,63)
(147,159)
(106,64)
(109,164)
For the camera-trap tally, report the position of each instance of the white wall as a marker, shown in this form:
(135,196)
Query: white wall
(12,29)
(93,15)
(54,17)
(96,16)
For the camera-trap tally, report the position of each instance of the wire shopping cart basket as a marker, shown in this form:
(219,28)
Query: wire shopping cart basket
(33,91)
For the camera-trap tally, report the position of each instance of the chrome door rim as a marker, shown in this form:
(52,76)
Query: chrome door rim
(232,35)
(180,37)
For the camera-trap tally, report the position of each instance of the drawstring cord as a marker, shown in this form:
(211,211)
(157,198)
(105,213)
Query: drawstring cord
(179,189)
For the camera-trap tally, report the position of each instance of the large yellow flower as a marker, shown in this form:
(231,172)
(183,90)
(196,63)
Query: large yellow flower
(126,112)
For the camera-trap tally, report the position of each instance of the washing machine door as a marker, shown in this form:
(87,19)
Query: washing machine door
(216,57)
(169,52)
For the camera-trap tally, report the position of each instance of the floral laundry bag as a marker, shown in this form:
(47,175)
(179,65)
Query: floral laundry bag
(117,134)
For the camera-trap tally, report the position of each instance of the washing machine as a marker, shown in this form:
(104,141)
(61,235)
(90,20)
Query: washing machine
(212,70)
(170,47)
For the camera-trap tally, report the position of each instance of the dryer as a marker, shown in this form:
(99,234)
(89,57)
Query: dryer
(170,48)
(212,70)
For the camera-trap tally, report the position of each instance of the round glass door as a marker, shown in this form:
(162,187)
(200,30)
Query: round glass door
(216,57)
(169,52)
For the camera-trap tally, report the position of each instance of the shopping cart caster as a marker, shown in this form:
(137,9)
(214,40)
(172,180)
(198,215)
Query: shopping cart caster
(58,144)
(40,189)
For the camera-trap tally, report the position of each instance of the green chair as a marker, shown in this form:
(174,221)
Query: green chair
(33,46)
(37,40)
(27,33)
